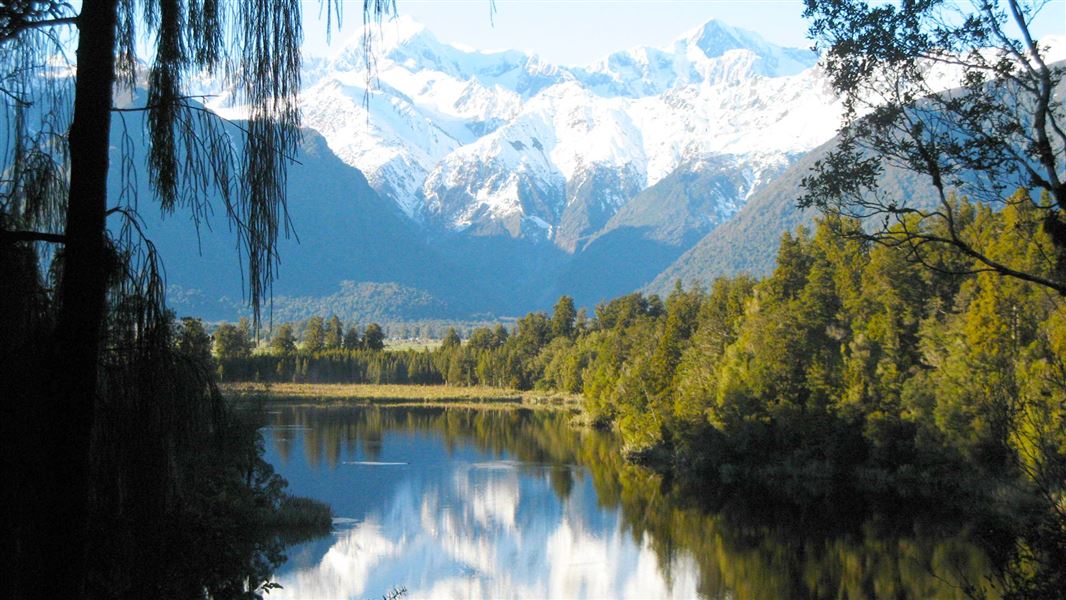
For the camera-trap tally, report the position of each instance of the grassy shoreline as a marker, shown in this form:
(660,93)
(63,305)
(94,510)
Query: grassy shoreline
(401,395)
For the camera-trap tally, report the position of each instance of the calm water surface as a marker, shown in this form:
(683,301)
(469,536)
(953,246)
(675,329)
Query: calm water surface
(452,503)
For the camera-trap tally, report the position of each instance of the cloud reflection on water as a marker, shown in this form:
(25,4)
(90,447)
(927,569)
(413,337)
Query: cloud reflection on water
(490,529)
(492,504)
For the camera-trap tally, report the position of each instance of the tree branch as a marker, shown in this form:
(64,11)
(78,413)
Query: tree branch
(33,236)
(12,31)
(992,265)
(181,102)
(1045,152)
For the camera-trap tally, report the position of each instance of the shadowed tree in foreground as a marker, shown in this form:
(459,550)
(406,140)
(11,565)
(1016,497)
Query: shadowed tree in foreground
(101,308)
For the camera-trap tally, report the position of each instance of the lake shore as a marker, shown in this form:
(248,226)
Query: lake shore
(480,397)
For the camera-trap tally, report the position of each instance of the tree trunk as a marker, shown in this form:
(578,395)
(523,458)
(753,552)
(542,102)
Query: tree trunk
(70,405)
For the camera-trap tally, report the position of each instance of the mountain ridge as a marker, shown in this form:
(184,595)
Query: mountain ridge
(500,143)
(497,193)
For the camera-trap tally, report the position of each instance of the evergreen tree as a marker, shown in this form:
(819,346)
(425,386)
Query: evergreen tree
(230,342)
(682,309)
(764,372)
(284,342)
(244,328)
(563,317)
(462,368)
(451,340)
(352,341)
(499,335)
(314,335)
(334,337)
(721,313)
(581,322)
(192,340)
(374,337)
(481,339)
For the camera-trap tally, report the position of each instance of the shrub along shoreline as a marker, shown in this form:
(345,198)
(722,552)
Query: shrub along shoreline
(399,395)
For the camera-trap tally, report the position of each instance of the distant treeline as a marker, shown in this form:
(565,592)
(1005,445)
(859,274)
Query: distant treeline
(335,366)
(422,329)
(327,353)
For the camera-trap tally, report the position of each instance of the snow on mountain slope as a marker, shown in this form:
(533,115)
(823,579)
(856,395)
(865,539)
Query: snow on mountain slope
(523,168)
(764,119)
(393,142)
(712,53)
(504,144)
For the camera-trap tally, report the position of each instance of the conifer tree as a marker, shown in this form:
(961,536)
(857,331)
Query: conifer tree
(499,335)
(481,339)
(563,317)
(244,328)
(284,342)
(719,317)
(230,342)
(681,311)
(334,337)
(451,340)
(374,337)
(314,335)
(192,340)
(352,340)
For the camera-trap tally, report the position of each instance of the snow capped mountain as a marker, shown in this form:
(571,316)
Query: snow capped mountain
(714,53)
(503,143)
(522,169)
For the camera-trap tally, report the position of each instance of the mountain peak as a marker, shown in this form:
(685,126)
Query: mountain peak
(400,30)
(399,35)
(714,38)
(385,37)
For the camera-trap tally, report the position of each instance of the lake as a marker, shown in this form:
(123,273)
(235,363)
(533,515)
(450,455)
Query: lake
(461,503)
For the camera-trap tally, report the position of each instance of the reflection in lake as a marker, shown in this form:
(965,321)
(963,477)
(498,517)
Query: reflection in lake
(460,503)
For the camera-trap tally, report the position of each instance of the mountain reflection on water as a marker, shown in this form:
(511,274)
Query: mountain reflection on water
(456,503)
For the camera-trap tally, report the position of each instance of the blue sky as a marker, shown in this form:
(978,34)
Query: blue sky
(572,31)
(577,32)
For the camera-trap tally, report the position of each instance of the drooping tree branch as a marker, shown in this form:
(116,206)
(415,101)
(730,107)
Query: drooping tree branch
(19,16)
